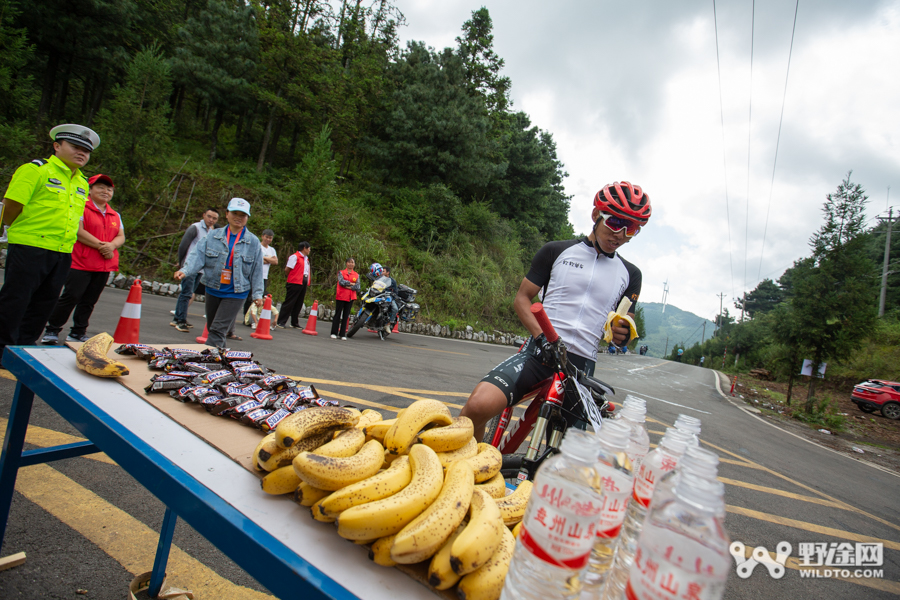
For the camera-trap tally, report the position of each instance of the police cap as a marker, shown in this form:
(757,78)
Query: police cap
(76,134)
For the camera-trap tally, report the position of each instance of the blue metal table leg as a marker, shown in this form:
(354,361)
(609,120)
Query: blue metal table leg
(162,553)
(13,443)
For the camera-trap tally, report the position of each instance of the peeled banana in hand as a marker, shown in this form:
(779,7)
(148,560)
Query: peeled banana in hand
(91,358)
(615,318)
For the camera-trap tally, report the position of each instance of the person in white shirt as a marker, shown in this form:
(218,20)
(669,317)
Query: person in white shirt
(270,257)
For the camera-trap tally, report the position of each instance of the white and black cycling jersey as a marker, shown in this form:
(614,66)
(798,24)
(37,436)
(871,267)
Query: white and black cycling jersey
(580,288)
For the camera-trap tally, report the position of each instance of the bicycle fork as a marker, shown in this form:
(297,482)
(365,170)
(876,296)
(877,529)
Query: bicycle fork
(531,461)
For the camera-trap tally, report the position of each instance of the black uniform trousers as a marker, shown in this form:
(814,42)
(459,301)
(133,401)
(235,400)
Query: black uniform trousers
(83,289)
(342,309)
(31,286)
(293,304)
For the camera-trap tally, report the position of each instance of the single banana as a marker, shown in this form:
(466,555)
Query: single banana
(267,441)
(282,457)
(517,529)
(307,495)
(368,417)
(417,415)
(495,486)
(486,463)
(380,552)
(467,451)
(312,421)
(512,507)
(389,515)
(333,473)
(91,357)
(615,318)
(318,516)
(481,537)
(378,486)
(346,443)
(451,437)
(440,573)
(280,481)
(425,534)
(376,431)
(487,582)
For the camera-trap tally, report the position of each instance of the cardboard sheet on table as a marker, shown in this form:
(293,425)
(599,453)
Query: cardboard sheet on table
(231,437)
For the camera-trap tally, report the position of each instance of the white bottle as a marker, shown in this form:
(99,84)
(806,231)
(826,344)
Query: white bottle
(560,523)
(690,425)
(683,548)
(634,412)
(661,460)
(699,461)
(617,482)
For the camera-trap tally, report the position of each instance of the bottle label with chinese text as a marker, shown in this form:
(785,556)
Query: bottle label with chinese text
(560,527)
(649,475)
(679,568)
(616,489)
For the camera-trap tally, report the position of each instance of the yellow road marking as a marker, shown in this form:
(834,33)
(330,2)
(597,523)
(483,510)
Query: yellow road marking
(7,375)
(378,388)
(777,492)
(337,396)
(838,533)
(125,539)
(741,463)
(45,438)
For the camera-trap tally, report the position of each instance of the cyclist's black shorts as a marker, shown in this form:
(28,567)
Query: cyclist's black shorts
(523,372)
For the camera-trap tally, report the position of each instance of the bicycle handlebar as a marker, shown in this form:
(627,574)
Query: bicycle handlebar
(537,309)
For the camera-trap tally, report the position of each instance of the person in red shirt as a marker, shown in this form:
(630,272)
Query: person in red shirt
(298,275)
(95,255)
(347,286)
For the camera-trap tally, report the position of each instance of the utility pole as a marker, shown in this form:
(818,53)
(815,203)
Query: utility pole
(719,318)
(665,294)
(703,336)
(667,347)
(887,258)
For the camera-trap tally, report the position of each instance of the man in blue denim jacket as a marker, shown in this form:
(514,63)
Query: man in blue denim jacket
(231,260)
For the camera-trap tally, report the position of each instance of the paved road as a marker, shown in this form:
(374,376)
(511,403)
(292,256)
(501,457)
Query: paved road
(86,525)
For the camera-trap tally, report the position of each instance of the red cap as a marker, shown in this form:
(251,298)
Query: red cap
(102,179)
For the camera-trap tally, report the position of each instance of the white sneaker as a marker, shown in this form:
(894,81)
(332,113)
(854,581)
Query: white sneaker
(334,337)
(344,338)
(171,312)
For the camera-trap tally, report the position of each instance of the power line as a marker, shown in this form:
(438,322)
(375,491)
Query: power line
(724,159)
(778,140)
(749,137)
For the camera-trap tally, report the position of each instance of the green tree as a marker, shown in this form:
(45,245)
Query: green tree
(482,65)
(762,299)
(17,97)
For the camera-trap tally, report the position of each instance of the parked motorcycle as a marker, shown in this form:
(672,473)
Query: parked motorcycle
(376,304)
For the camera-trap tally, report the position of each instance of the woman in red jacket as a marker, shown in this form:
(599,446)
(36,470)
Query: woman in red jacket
(347,286)
(95,255)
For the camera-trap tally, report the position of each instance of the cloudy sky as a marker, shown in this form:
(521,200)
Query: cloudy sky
(630,91)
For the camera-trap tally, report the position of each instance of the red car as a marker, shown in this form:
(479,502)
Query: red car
(877,394)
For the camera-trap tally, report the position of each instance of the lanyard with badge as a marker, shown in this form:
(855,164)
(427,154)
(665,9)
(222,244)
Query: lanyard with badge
(225,277)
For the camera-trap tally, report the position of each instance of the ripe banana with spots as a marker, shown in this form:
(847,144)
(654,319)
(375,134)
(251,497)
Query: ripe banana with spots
(91,357)
(425,534)
(378,486)
(486,583)
(517,529)
(495,486)
(486,463)
(377,431)
(440,573)
(417,415)
(468,451)
(332,473)
(269,442)
(346,443)
(380,552)
(481,537)
(318,515)
(368,417)
(512,507)
(389,515)
(450,437)
(280,481)
(307,495)
(282,457)
(313,421)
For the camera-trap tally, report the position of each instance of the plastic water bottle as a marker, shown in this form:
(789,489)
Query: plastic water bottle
(634,412)
(703,463)
(691,425)
(683,548)
(617,482)
(661,460)
(560,524)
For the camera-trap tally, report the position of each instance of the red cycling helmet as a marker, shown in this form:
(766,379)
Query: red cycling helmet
(624,200)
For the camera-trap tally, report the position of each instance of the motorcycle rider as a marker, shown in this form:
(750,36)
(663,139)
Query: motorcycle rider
(580,282)
(394,289)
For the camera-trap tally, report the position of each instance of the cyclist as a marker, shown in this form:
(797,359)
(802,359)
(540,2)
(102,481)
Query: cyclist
(580,282)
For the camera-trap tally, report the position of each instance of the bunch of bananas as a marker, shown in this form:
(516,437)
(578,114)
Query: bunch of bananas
(416,488)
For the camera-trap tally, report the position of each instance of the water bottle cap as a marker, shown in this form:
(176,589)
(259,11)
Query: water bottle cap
(675,440)
(633,413)
(614,434)
(581,445)
(688,423)
(708,494)
(700,461)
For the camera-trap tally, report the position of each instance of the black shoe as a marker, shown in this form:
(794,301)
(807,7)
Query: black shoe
(182,327)
(280,326)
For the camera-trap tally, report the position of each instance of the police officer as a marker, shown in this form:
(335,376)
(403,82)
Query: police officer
(42,206)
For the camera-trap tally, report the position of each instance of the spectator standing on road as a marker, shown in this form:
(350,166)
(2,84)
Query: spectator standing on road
(347,286)
(191,285)
(94,257)
(231,261)
(298,275)
(42,206)
(702,358)
(270,257)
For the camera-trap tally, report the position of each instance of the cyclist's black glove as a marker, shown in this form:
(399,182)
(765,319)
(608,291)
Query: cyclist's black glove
(549,355)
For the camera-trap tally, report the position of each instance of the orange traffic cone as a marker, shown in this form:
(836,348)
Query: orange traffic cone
(396,328)
(265,319)
(201,339)
(310,328)
(129,328)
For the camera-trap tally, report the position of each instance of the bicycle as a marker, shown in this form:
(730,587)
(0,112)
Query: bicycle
(544,418)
